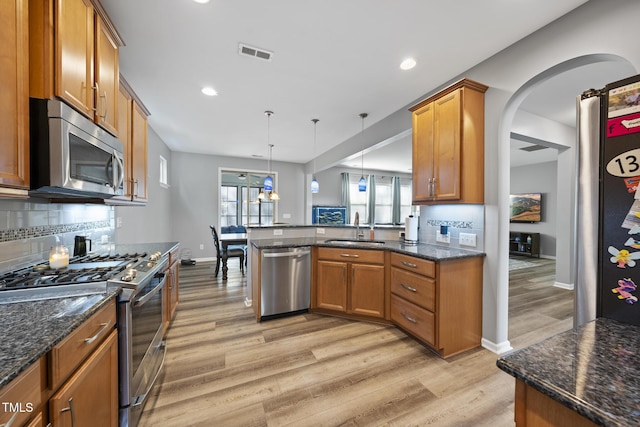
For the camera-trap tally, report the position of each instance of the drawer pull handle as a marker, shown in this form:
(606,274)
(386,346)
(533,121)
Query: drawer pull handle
(408,264)
(410,319)
(70,409)
(95,337)
(349,255)
(409,288)
(11,420)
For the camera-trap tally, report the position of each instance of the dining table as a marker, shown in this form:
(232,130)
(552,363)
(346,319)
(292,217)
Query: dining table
(226,240)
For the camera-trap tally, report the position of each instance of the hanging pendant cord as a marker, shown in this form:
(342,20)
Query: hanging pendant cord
(363,116)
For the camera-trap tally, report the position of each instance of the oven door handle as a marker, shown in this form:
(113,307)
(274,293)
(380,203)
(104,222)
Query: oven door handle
(142,300)
(139,400)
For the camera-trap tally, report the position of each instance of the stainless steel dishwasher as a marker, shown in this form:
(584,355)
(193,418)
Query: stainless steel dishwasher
(285,281)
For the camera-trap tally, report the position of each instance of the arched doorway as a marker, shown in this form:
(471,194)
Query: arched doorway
(566,173)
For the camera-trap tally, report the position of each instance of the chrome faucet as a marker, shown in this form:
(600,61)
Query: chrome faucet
(356,222)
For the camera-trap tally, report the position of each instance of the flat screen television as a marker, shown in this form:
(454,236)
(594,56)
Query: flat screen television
(525,207)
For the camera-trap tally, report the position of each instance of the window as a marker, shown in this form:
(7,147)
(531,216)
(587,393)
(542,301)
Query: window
(164,180)
(384,199)
(239,202)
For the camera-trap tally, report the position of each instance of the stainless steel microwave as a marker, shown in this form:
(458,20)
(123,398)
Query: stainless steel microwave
(70,155)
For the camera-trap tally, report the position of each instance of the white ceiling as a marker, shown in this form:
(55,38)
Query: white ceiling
(332,60)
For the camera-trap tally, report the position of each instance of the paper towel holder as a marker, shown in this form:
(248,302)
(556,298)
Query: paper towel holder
(408,232)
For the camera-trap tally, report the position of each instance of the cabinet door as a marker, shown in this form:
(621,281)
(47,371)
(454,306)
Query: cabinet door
(446,149)
(124,136)
(107,76)
(367,290)
(139,153)
(90,396)
(14,102)
(331,292)
(74,41)
(422,153)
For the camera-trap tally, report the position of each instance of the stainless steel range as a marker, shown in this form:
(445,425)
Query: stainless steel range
(142,278)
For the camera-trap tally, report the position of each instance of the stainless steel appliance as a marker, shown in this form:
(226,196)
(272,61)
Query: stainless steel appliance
(70,155)
(141,350)
(608,205)
(285,281)
(142,277)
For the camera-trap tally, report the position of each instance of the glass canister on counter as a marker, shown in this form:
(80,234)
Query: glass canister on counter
(58,257)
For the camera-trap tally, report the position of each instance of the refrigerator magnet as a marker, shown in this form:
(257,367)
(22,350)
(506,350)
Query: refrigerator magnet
(625,289)
(623,257)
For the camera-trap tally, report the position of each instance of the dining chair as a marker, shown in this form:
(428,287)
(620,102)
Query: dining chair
(231,252)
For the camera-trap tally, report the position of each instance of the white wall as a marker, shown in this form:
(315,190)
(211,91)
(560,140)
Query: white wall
(152,222)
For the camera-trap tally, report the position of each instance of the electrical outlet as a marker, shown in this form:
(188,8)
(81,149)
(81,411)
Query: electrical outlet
(319,230)
(119,222)
(286,216)
(277,232)
(468,239)
(443,238)
(201,246)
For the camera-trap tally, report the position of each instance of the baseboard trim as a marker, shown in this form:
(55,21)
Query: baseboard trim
(204,259)
(567,286)
(499,348)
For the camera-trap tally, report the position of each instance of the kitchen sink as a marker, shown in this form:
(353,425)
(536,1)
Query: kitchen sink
(346,242)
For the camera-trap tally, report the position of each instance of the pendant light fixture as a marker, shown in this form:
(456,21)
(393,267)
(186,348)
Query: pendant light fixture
(272,193)
(268,181)
(315,185)
(362,184)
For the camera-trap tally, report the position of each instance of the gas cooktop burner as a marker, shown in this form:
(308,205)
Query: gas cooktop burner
(90,268)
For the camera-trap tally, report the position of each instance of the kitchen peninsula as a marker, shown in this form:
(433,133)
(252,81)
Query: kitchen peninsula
(434,293)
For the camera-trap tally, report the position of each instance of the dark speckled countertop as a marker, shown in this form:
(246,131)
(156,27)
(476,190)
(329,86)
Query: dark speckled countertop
(421,250)
(30,329)
(593,369)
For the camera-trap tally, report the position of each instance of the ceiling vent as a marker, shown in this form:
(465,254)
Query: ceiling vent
(531,148)
(254,52)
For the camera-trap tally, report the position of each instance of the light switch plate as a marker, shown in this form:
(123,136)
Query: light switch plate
(468,239)
(277,232)
(443,238)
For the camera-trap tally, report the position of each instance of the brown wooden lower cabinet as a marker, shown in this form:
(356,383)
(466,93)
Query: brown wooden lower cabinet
(535,409)
(351,281)
(90,396)
(437,302)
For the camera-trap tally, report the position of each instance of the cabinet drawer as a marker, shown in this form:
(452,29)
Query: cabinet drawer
(414,319)
(351,255)
(70,352)
(417,265)
(24,394)
(413,287)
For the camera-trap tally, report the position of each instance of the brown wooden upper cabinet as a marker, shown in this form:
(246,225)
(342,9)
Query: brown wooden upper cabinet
(76,59)
(132,131)
(14,102)
(448,145)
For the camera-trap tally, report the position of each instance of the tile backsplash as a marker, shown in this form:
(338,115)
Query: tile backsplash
(28,229)
(459,219)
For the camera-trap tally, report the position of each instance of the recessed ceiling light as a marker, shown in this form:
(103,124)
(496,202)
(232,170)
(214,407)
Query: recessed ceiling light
(209,91)
(201,1)
(408,64)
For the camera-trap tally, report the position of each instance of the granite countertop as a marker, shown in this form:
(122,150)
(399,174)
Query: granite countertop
(30,329)
(421,250)
(592,369)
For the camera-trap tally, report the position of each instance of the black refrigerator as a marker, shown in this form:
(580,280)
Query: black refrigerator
(612,159)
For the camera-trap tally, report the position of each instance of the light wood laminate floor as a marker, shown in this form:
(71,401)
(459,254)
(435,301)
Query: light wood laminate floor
(224,369)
